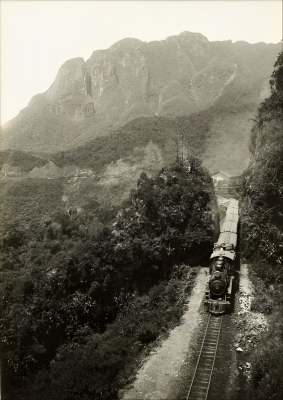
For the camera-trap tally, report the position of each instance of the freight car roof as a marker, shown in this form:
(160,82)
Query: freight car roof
(229,226)
(231,217)
(228,238)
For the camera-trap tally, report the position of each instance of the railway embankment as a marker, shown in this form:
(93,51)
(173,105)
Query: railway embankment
(249,328)
(162,373)
(257,324)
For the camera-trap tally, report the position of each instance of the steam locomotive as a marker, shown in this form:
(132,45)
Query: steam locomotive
(221,264)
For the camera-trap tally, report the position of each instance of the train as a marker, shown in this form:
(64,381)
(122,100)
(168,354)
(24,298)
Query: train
(222,264)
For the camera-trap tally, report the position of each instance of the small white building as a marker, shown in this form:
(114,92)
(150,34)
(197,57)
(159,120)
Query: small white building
(231,177)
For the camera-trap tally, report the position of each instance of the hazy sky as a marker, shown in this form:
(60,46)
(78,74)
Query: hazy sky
(37,37)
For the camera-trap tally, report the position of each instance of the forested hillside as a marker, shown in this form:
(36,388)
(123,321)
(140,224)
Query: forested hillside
(262,235)
(204,135)
(129,141)
(79,307)
(98,176)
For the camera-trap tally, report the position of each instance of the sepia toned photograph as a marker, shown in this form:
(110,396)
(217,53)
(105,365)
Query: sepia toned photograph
(141,200)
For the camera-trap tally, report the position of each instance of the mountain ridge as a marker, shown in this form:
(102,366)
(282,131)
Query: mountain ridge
(178,76)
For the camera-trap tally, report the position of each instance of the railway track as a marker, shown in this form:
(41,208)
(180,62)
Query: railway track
(203,372)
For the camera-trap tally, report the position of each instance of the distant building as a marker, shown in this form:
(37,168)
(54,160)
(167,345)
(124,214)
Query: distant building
(225,178)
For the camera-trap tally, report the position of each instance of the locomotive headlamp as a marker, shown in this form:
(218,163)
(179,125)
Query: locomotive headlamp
(217,274)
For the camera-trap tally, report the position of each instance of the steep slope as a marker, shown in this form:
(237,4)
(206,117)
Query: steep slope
(262,238)
(263,185)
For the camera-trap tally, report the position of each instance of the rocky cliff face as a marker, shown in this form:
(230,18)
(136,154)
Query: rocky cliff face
(178,76)
(70,93)
(133,79)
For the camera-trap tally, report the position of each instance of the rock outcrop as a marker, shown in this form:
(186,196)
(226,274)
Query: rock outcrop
(70,93)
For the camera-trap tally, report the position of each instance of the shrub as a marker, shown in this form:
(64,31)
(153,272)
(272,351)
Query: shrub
(262,304)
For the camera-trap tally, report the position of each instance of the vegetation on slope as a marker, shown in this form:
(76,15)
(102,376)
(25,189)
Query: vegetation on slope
(25,202)
(136,135)
(19,159)
(78,307)
(262,235)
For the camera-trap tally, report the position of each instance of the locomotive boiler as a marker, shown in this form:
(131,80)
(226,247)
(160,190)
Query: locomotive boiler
(221,264)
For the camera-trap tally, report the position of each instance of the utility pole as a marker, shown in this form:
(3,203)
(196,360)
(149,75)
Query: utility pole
(177,155)
(180,148)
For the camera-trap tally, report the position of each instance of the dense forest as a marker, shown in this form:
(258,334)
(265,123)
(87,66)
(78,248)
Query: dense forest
(262,236)
(80,307)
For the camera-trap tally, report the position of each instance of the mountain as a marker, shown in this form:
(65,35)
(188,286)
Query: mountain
(103,122)
(178,76)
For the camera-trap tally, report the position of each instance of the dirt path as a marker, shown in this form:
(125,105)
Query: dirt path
(155,379)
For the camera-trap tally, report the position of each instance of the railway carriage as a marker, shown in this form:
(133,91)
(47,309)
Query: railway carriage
(221,264)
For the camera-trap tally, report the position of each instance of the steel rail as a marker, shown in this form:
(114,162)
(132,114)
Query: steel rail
(214,356)
(203,340)
(204,395)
